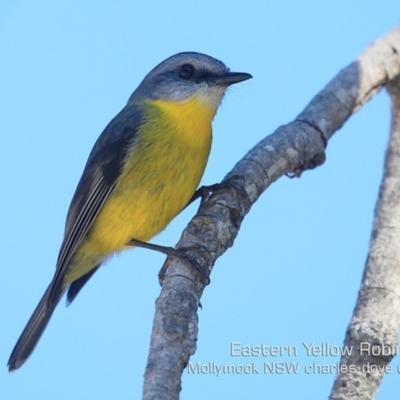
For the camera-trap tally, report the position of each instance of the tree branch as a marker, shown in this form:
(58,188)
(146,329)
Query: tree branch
(373,330)
(291,149)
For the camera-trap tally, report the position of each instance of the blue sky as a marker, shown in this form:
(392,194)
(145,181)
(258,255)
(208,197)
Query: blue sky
(291,278)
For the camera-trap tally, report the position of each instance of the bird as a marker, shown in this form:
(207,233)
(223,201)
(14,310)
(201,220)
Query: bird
(143,170)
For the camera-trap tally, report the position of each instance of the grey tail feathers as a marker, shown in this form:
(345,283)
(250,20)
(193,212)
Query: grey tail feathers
(33,330)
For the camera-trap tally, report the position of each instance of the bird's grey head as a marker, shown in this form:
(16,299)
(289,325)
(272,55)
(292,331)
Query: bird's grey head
(185,75)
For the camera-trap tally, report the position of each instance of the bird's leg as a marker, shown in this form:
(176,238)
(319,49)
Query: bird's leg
(204,193)
(170,251)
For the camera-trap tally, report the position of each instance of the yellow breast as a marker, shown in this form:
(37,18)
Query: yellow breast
(159,177)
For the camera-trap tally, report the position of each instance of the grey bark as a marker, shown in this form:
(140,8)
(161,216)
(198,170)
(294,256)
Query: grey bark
(291,149)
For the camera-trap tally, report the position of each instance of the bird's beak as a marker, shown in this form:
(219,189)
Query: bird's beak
(230,78)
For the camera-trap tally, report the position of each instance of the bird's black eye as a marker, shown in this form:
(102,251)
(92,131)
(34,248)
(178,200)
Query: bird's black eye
(186,71)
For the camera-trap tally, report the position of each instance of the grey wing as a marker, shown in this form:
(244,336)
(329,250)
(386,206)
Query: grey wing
(95,186)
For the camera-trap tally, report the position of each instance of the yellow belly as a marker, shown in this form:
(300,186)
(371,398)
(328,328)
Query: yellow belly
(158,180)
